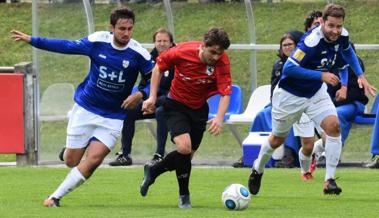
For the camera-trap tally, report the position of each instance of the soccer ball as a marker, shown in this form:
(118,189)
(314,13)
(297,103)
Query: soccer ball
(236,197)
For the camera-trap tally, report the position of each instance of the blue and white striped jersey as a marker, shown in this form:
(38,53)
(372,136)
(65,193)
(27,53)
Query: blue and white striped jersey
(312,56)
(113,71)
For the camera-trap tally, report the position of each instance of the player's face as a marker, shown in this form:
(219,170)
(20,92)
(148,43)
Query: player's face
(288,46)
(162,42)
(210,54)
(122,32)
(332,28)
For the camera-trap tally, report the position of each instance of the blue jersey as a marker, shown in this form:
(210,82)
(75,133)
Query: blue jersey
(312,56)
(113,71)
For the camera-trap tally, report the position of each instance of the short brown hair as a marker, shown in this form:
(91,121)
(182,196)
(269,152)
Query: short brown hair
(163,30)
(216,36)
(333,10)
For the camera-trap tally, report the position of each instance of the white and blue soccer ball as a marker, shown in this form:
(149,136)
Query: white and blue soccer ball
(236,197)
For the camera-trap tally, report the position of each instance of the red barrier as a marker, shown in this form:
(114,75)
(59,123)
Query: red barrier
(11,113)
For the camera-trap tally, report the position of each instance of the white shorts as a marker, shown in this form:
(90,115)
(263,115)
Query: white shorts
(306,127)
(288,108)
(84,125)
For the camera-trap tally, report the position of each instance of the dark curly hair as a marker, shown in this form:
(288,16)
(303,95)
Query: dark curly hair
(310,18)
(121,13)
(216,36)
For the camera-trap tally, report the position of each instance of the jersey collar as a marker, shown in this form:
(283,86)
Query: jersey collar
(119,48)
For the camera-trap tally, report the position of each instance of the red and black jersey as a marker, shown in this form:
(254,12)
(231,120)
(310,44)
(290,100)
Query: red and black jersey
(194,81)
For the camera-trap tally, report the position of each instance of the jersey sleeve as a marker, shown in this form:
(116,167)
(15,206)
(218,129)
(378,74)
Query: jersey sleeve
(166,59)
(291,69)
(345,39)
(146,64)
(81,47)
(296,64)
(351,58)
(224,80)
(303,52)
(144,85)
(344,75)
(341,67)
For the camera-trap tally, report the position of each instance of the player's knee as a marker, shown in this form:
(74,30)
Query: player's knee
(183,144)
(333,129)
(71,162)
(331,126)
(184,149)
(307,150)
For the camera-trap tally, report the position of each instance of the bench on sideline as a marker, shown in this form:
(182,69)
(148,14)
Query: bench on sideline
(257,101)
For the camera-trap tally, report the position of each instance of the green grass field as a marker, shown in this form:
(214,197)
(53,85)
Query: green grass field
(115,193)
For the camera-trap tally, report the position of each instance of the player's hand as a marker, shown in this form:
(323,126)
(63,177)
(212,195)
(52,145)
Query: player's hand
(330,78)
(341,93)
(148,106)
(363,83)
(132,100)
(20,36)
(215,126)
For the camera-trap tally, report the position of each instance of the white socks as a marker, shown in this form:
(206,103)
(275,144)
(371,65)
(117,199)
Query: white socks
(264,156)
(333,147)
(73,179)
(305,162)
(318,148)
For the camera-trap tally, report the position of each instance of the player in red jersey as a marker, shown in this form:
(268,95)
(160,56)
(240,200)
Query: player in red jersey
(202,69)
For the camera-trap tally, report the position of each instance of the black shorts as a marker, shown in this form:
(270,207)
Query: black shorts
(181,119)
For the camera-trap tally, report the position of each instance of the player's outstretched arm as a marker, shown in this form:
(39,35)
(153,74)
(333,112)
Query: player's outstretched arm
(293,69)
(215,125)
(148,106)
(20,36)
(351,58)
